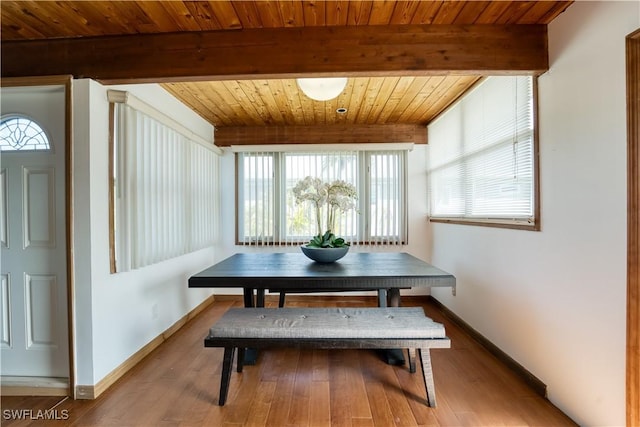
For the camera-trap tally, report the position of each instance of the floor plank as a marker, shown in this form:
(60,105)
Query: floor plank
(178,385)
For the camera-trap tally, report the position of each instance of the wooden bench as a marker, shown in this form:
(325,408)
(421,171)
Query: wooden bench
(328,328)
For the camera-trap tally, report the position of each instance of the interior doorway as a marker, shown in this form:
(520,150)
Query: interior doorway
(36,333)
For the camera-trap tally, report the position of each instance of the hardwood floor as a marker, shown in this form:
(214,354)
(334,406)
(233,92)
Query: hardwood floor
(178,385)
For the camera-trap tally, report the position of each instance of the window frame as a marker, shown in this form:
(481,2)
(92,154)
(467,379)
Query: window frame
(535,224)
(363,185)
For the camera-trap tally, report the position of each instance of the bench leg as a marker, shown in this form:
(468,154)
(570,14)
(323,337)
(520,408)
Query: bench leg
(281,299)
(411,355)
(427,375)
(227,363)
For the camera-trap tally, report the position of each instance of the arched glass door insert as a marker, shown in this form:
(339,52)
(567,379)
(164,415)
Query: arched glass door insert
(20,133)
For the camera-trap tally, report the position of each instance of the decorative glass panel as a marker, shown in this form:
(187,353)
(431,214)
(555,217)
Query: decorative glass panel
(18,133)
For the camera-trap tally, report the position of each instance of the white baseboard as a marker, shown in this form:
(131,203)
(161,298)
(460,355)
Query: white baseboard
(93,391)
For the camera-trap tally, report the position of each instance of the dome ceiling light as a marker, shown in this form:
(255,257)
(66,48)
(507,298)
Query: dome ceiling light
(322,89)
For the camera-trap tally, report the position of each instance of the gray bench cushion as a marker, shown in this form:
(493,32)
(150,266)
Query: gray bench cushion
(392,322)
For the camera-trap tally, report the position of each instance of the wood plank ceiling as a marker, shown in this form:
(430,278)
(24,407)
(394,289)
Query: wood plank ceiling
(377,100)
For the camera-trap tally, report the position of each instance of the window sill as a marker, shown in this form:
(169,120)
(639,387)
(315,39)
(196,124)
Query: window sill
(496,223)
(295,244)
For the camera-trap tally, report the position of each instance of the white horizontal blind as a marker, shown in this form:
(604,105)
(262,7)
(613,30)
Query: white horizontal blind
(481,154)
(268,213)
(166,191)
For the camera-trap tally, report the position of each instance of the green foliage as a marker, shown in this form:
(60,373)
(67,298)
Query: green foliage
(327,240)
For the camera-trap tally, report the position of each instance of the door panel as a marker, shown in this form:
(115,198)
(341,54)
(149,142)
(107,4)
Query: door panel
(41,311)
(3,208)
(5,340)
(39,216)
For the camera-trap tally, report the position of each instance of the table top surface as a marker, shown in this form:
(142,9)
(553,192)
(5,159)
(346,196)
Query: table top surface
(294,271)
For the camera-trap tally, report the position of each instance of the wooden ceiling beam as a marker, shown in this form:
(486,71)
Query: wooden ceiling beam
(285,52)
(320,134)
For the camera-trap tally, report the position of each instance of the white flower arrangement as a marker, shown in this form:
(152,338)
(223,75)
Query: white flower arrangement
(339,196)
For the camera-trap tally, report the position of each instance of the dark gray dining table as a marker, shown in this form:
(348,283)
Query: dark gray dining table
(384,272)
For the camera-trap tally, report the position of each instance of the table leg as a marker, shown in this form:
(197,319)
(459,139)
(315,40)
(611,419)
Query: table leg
(260,297)
(393,296)
(393,356)
(250,354)
(248,297)
(390,298)
(382,297)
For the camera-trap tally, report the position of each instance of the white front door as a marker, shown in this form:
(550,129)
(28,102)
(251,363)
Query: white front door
(34,329)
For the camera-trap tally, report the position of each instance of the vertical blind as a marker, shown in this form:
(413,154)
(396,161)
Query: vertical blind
(329,167)
(256,206)
(481,154)
(166,191)
(387,197)
(268,213)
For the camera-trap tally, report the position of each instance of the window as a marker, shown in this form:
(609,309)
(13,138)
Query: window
(482,152)
(19,133)
(268,214)
(164,187)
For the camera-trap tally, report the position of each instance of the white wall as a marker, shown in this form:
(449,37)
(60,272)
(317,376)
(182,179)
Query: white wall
(555,300)
(117,314)
(418,245)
